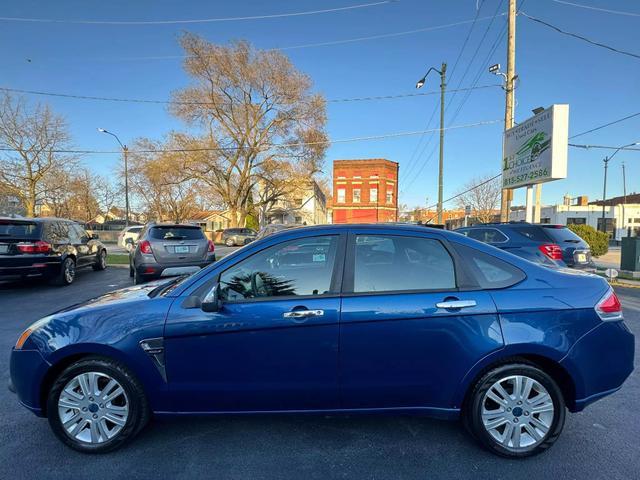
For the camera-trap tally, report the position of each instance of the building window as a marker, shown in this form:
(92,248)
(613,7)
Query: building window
(341,195)
(297,202)
(576,221)
(389,196)
(356,195)
(373,195)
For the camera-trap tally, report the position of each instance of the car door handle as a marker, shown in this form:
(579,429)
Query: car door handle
(456,304)
(303,314)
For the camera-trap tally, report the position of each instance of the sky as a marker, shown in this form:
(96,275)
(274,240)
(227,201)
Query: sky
(113,60)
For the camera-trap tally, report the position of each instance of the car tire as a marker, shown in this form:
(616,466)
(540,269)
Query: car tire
(101,262)
(67,273)
(132,272)
(229,242)
(526,423)
(100,424)
(137,278)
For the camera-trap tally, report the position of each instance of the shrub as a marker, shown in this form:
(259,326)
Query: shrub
(598,241)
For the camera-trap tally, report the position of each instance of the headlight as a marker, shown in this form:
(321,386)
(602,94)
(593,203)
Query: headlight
(30,329)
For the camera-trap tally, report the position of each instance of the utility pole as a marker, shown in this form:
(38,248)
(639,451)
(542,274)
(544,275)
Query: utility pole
(604,193)
(624,198)
(443,86)
(125,152)
(507,194)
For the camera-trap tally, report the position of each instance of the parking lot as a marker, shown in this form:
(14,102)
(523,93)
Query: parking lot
(601,442)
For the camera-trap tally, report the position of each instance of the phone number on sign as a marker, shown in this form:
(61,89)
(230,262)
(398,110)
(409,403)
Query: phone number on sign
(543,172)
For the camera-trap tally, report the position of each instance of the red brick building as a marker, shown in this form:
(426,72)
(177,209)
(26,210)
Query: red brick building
(365,191)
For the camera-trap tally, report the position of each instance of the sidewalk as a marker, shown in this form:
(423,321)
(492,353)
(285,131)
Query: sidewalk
(611,259)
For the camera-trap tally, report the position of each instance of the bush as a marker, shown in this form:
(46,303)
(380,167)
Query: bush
(598,241)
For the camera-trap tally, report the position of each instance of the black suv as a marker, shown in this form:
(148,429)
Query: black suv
(51,248)
(553,245)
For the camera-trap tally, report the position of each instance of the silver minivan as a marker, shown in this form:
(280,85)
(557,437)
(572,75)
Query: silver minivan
(165,250)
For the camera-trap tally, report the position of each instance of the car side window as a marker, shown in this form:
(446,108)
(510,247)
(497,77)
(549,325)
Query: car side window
(299,267)
(77,234)
(486,235)
(58,232)
(386,263)
(490,272)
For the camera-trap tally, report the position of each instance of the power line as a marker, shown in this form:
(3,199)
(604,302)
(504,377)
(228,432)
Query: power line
(580,37)
(604,147)
(413,158)
(170,102)
(203,20)
(281,145)
(589,7)
(605,125)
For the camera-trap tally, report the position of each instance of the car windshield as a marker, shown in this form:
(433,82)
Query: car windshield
(176,233)
(19,229)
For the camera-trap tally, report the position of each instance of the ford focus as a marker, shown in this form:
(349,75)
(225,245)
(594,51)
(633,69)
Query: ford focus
(335,319)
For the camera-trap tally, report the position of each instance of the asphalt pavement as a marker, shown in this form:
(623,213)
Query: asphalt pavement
(601,442)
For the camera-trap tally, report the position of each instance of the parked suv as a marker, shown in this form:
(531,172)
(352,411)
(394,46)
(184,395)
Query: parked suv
(128,236)
(238,236)
(51,248)
(549,244)
(165,250)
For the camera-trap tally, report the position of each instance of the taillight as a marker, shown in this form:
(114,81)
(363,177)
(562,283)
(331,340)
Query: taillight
(145,247)
(212,247)
(35,247)
(609,308)
(551,250)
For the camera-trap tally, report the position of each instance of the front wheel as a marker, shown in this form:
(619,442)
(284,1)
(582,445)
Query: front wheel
(101,261)
(96,405)
(516,410)
(229,242)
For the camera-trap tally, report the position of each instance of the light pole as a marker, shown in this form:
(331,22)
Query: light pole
(125,151)
(606,161)
(443,75)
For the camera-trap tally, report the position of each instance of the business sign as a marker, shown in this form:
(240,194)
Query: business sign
(535,151)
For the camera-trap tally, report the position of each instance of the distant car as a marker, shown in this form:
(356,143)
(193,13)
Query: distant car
(275,227)
(128,236)
(238,236)
(336,319)
(165,250)
(52,248)
(549,244)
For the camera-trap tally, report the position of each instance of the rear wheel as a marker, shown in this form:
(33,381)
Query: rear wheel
(516,410)
(96,405)
(67,273)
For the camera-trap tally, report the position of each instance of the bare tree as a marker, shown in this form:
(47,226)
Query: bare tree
(257,114)
(32,137)
(106,193)
(483,196)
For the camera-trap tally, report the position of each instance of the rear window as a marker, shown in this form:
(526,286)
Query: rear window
(19,229)
(532,233)
(176,233)
(562,235)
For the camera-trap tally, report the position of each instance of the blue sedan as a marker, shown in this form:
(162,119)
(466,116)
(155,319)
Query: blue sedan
(350,318)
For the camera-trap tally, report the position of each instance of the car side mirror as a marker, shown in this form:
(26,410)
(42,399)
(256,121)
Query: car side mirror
(211,301)
(94,236)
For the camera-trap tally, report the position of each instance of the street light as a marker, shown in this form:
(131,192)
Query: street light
(125,151)
(606,161)
(442,72)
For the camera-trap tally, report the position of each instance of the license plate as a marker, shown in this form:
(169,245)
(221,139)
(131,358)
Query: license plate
(181,249)
(4,248)
(582,257)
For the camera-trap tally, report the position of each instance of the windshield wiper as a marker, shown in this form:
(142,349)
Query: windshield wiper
(160,289)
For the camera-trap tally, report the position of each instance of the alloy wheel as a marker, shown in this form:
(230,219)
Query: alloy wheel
(69,270)
(93,407)
(517,412)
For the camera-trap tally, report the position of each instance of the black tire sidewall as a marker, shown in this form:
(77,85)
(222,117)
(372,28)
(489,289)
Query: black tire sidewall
(473,414)
(138,409)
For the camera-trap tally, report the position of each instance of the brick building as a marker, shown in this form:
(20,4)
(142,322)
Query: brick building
(365,191)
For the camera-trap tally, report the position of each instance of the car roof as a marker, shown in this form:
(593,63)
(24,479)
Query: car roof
(36,219)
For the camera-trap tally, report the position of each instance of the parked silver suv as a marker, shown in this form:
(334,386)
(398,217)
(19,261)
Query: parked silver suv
(164,250)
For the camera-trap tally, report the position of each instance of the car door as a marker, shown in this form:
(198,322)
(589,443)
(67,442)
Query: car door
(273,343)
(79,238)
(412,324)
